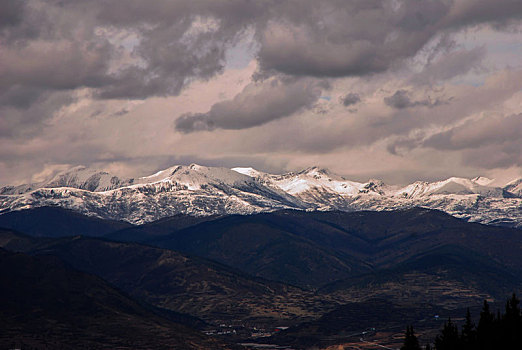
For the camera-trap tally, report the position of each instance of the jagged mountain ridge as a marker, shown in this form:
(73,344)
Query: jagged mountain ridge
(199,190)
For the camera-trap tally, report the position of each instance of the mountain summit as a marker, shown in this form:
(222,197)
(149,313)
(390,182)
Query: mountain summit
(200,190)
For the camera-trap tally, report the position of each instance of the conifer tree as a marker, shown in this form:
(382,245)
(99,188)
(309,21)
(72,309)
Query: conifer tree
(513,309)
(449,337)
(486,328)
(410,340)
(468,336)
(511,324)
(501,331)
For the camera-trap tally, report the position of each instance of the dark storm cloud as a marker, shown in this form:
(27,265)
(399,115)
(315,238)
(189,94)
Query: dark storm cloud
(127,50)
(10,12)
(66,45)
(259,103)
(20,97)
(340,38)
(355,38)
(499,13)
(133,49)
(401,99)
(350,99)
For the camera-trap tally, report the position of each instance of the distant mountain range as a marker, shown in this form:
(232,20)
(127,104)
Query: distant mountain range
(203,191)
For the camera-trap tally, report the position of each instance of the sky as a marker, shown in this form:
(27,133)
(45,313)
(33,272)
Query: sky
(397,90)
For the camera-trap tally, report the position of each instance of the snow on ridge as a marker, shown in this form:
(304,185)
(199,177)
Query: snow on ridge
(514,187)
(201,190)
(306,180)
(195,176)
(452,185)
(482,181)
(247,171)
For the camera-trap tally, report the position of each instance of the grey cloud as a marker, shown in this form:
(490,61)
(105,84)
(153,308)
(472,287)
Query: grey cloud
(342,38)
(489,142)
(399,144)
(499,13)
(72,46)
(257,104)
(64,46)
(398,129)
(401,99)
(20,97)
(54,67)
(10,12)
(450,65)
(129,50)
(23,123)
(59,45)
(191,122)
(357,38)
(478,133)
(132,49)
(350,99)
(494,156)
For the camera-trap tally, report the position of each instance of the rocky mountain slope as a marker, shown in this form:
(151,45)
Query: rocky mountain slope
(201,191)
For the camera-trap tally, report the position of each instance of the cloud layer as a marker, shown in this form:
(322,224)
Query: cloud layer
(284,83)
(257,104)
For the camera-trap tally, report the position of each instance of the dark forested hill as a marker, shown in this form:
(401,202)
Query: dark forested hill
(48,305)
(58,222)
(315,248)
(291,266)
(170,280)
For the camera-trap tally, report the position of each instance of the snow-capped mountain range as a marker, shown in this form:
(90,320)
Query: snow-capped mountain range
(200,190)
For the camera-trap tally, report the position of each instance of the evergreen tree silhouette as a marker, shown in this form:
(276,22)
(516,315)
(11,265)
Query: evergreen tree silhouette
(511,325)
(410,340)
(486,328)
(449,337)
(501,331)
(468,336)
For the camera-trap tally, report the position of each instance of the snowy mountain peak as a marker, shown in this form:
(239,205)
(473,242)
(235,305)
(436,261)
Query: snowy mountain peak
(315,171)
(79,177)
(311,182)
(195,177)
(376,187)
(483,181)
(450,186)
(514,187)
(158,176)
(196,167)
(86,179)
(248,171)
(202,190)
